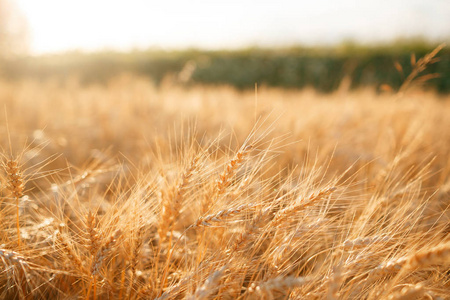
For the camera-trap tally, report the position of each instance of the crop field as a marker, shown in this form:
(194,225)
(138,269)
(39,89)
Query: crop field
(126,190)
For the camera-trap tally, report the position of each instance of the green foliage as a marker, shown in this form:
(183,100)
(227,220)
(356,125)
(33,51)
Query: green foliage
(297,67)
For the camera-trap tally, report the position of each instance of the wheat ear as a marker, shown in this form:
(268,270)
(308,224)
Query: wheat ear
(408,292)
(171,207)
(103,253)
(15,186)
(94,238)
(12,257)
(419,67)
(283,284)
(245,236)
(283,214)
(364,242)
(69,251)
(224,179)
(209,286)
(334,283)
(220,216)
(135,258)
(432,256)
(389,267)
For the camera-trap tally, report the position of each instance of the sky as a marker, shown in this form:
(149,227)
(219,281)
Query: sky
(91,25)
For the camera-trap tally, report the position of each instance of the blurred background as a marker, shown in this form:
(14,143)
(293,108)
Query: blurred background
(323,44)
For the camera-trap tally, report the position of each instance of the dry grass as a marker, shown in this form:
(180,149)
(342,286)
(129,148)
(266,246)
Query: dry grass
(126,191)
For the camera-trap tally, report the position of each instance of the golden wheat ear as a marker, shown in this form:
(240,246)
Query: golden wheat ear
(224,179)
(418,67)
(15,185)
(280,284)
(409,292)
(172,205)
(209,286)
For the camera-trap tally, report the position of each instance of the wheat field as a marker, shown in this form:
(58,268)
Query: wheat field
(131,191)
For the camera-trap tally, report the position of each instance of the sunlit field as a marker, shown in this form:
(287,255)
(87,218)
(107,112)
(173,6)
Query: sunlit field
(130,191)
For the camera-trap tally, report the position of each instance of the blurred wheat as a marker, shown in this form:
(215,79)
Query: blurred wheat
(178,193)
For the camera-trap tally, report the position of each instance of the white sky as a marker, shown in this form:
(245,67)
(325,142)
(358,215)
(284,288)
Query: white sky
(58,25)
